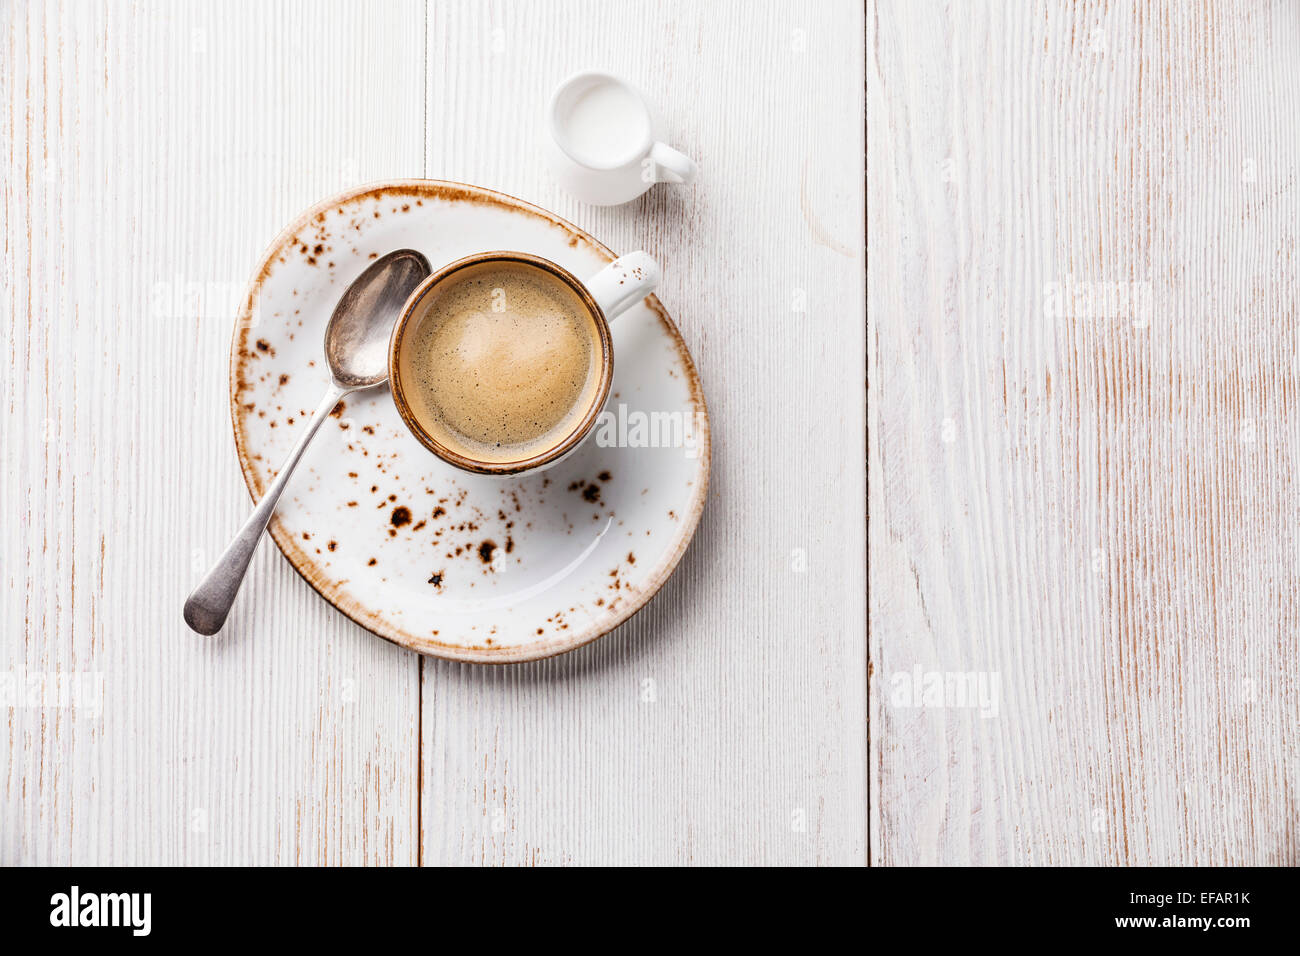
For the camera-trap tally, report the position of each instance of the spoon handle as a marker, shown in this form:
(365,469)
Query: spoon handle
(210,602)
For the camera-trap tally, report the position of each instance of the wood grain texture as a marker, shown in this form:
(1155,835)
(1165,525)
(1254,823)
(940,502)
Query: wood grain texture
(151,152)
(1091,498)
(726,722)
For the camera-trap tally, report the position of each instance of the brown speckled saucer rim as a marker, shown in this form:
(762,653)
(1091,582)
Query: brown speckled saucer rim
(299,560)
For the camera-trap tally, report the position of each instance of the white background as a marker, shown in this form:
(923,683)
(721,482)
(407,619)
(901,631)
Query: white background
(150,152)
(1099,506)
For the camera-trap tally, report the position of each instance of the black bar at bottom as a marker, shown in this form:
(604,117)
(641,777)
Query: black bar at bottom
(1177,906)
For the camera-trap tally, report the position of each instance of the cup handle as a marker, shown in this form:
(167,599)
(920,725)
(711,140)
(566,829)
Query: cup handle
(625,281)
(673,166)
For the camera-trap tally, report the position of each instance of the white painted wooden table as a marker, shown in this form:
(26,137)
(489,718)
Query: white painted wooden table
(150,152)
(1082,222)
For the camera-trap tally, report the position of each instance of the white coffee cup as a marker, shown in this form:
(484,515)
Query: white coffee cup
(603,144)
(609,293)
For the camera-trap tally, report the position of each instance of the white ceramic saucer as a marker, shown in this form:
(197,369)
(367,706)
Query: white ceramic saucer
(470,568)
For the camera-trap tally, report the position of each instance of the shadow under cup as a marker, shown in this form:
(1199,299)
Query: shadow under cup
(500,363)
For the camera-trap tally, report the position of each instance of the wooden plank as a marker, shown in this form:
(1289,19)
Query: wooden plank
(726,722)
(151,152)
(1091,499)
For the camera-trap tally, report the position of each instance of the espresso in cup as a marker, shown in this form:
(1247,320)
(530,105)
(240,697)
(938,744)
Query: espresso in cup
(501,362)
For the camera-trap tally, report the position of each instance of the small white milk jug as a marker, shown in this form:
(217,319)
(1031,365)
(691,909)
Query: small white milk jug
(603,144)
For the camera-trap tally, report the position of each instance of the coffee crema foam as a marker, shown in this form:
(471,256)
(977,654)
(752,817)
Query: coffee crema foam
(503,362)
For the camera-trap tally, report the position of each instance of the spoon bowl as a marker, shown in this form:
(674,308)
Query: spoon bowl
(356,339)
